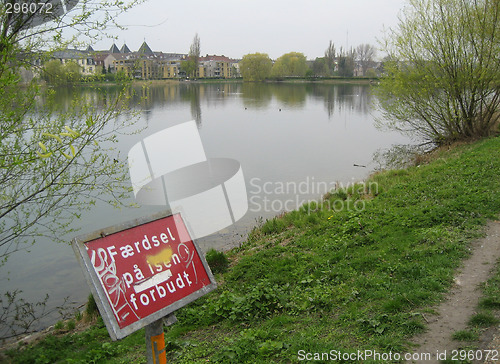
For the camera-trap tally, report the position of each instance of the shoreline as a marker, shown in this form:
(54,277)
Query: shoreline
(179,81)
(331,81)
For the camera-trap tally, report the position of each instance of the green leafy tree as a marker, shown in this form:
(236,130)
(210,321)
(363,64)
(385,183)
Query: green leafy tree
(54,163)
(345,63)
(330,57)
(53,72)
(72,72)
(188,67)
(442,74)
(291,64)
(320,67)
(194,54)
(255,67)
(56,73)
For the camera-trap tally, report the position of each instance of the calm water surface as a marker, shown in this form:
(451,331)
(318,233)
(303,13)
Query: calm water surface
(294,142)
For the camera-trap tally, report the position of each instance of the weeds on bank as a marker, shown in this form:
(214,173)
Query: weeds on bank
(90,346)
(317,279)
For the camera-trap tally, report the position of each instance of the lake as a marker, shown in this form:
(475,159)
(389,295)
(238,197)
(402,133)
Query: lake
(294,142)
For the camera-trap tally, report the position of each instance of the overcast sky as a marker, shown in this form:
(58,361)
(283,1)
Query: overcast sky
(238,27)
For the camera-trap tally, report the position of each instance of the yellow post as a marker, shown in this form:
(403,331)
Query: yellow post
(156,353)
(155,343)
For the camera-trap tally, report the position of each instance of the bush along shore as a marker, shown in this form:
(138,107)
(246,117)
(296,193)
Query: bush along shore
(318,280)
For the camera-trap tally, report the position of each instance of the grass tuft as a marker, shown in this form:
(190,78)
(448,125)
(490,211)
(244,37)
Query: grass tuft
(217,261)
(483,319)
(465,335)
(91,309)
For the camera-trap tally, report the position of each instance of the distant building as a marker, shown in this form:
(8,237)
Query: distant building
(142,64)
(218,67)
(358,69)
(84,59)
(103,60)
(145,63)
(171,64)
(114,49)
(124,49)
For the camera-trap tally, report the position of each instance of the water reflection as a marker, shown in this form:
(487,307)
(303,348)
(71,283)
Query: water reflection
(193,95)
(257,96)
(61,98)
(290,95)
(344,97)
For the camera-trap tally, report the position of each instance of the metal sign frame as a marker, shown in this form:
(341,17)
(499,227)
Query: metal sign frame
(99,293)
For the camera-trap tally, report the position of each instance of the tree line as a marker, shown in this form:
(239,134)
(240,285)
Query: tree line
(259,67)
(56,73)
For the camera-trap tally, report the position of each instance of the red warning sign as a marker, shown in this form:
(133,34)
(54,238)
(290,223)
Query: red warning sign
(146,269)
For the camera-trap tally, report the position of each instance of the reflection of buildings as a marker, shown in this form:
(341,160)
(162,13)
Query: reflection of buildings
(145,63)
(338,99)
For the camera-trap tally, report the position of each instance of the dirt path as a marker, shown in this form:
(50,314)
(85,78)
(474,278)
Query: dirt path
(455,311)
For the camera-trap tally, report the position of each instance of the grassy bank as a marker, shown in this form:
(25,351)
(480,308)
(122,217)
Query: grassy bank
(317,280)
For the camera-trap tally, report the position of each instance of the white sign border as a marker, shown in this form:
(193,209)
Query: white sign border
(114,330)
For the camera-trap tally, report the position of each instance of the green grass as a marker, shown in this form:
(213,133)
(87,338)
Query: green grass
(483,319)
(90,346)
(360,278)
(217,261)
(465,335)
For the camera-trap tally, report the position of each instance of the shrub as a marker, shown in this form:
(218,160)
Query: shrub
(91,309)
(217,261)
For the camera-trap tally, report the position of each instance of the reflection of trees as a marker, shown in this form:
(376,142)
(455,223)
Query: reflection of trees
(191,94)
(259,95)
(64,97)
(336,97)
(344,97)
(329,95)
(256,95)
(290,95)
(219,93)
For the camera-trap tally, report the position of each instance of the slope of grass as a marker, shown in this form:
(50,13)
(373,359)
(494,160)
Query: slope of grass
(318,280)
